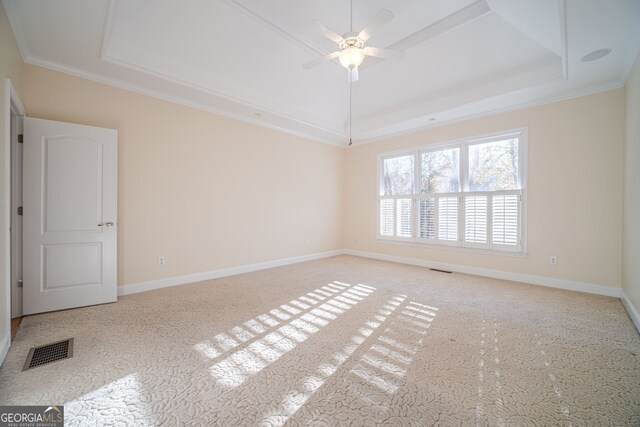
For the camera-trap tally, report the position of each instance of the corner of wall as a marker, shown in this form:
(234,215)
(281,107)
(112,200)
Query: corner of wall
(5,343)
(634,314)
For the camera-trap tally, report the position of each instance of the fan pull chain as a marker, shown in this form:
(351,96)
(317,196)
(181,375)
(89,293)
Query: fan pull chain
(350,77)
(350,107)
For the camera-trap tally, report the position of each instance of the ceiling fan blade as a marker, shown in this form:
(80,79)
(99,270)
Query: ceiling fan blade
(380,20)
(320,60)
(329,33)
(383,53)
(353,74)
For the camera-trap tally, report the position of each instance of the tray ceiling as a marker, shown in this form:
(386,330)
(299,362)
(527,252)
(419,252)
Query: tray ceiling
(243,58)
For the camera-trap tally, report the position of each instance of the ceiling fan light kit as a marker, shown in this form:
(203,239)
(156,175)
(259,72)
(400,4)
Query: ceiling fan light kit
(351,52)
(351,46)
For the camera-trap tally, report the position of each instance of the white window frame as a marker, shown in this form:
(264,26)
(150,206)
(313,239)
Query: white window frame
(463,144)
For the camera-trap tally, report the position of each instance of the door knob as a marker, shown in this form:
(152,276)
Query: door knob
(106,224)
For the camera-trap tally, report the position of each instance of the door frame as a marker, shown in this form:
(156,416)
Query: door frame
(15,218)
(13,106)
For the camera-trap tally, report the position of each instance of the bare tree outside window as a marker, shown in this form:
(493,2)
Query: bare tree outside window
(493,166)
(398,176)
(440,171)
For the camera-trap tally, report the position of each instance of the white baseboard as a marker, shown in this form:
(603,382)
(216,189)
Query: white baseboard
(134,288)
(5,343)
(496,274)
(631,309)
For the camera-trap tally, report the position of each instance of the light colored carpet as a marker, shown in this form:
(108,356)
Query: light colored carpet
(340,341)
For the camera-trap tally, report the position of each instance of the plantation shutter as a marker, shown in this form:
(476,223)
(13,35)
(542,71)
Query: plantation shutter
(386,217)
(469,193)
(448,218)
(475,219)
(427,218)
(506,210)
(404,225)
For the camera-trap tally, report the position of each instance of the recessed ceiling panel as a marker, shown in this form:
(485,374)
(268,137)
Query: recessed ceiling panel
(488,53)
(540,20)
(243,58)
(252,52)
(217,48)
(409,16)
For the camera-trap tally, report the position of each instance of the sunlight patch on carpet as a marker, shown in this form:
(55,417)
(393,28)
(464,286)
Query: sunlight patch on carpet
(269,336)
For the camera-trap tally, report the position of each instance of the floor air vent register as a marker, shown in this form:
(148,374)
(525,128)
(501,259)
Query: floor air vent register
(49,353)
(441,271)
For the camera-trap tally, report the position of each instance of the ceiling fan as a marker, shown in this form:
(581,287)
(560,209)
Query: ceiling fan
(351,46)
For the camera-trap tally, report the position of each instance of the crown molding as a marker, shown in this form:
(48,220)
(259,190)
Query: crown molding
(493,86)
(426,124)
(632,55)
(107,32)
(314,129)
(315,123)
(51,65)
(564,43)
(333,131)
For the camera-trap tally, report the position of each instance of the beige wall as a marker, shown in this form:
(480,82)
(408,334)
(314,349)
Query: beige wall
(10,67)
(574,190)
(631,227)
(209,192)
(202,190)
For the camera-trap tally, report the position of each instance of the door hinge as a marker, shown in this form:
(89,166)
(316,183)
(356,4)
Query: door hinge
(20,138)
(20,210)
(20,282)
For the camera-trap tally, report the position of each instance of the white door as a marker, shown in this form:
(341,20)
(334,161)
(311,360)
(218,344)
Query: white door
(69,215)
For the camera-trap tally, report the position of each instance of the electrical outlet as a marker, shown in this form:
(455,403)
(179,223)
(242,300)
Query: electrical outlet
(553,260)
(162,260)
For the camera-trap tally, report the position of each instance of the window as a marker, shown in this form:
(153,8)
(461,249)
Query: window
(466,193)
